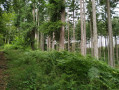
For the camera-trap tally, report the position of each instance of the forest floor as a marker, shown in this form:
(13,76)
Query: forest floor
(3,68)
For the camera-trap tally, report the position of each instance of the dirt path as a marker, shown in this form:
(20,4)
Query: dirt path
(2,70)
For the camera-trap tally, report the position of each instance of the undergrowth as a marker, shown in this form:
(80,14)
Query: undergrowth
(37,70)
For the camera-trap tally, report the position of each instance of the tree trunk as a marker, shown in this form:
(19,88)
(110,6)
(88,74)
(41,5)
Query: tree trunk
(33,31)
(105,49)
(101,53)
(42,41)
(116,47)
(82,28)
(49,44)
(95,30)
(61,40)
(37,31)
(111,60)
(85,46)
(68,36)
(91,31)
(53,41)
(73,43)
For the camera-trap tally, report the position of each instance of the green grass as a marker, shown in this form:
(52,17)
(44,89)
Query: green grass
(37,70)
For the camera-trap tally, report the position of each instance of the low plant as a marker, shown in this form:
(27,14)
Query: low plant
(37,70)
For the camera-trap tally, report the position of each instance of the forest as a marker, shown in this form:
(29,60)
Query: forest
(59,45)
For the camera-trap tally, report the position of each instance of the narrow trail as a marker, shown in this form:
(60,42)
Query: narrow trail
(3,67)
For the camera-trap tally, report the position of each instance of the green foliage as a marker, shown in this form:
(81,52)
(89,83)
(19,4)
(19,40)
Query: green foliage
(50,27)
(115,26)
(8,47)
(36,70)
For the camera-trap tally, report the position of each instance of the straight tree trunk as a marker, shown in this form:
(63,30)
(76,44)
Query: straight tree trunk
(116,46)
(91,31)
(111,60)
(49,44)
(53,41)
(61,40)
(37,31)
(73,43)
(82,28)
(42,41)
(68,36)
(105,48)
(101,48)
(33,31)
(95,36)
(108,51)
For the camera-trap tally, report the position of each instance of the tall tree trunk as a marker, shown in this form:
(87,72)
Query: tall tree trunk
(68,36)
(95,36)
(101,48)
(53,41)
(91,31)
(49,43)
(116,47)
(33,31)
(61,40)
(111,60)
(42,41)
(105,48)
(73,43)
(108,50)
(37,31)
(82,28)
(85,46)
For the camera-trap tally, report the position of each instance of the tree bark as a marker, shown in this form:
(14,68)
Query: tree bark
(53,41)
(85,46)
(61,41)
(116,46)
(73,43)
(33,31)
(37,31)
(49,43)
(95,36)
(82,28)
(68,36)
(91,31)
(111,60)
(42,41)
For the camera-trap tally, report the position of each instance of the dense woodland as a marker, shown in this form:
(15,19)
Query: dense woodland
(60,44)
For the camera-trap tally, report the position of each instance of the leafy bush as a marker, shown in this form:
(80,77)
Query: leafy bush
(8,46)
(37,70)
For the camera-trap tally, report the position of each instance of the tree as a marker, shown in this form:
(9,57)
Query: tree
(73,43)
(115,26)
(111,60)
(95,40)
(83,28)
(61,40)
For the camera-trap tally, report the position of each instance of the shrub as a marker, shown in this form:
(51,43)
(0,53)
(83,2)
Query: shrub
(35,70)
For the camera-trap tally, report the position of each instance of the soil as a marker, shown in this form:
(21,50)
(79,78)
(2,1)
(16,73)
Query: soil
(3,68)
